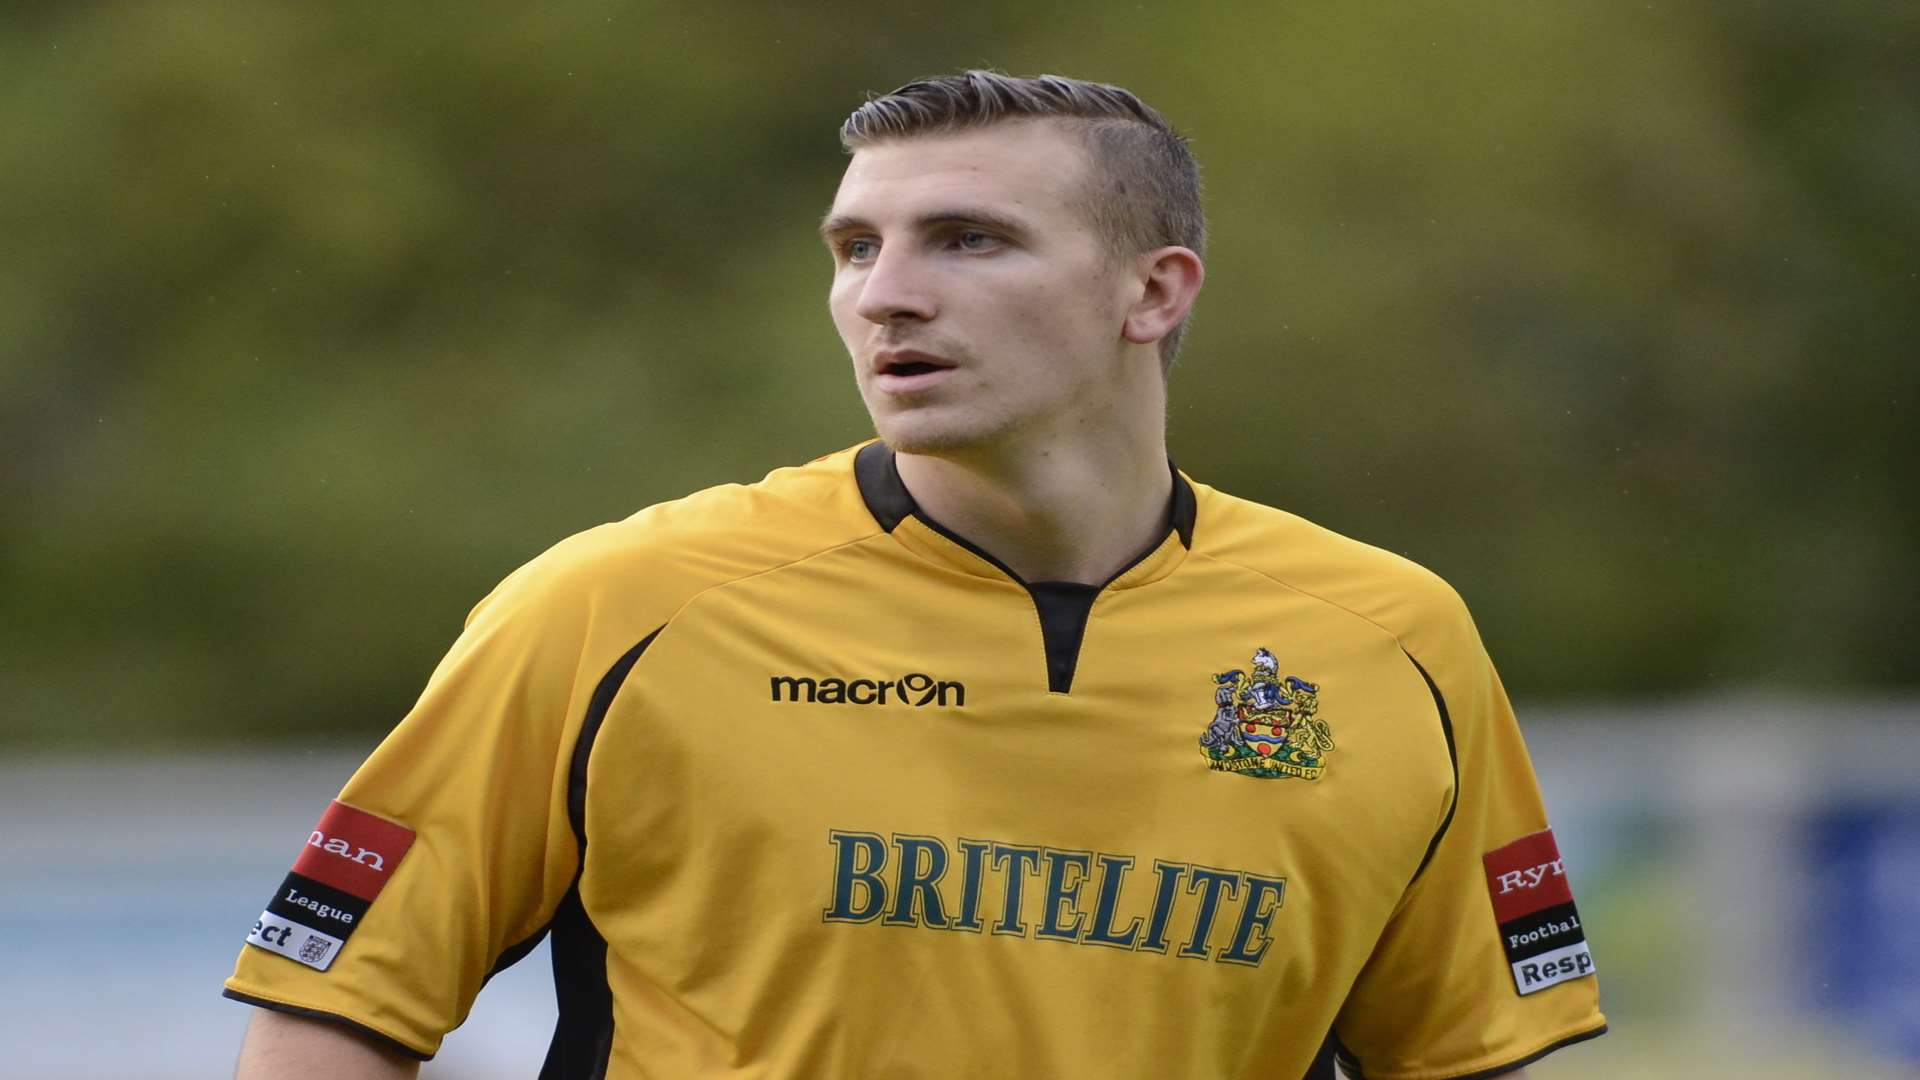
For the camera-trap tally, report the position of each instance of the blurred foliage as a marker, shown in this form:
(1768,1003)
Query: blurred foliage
(315,320)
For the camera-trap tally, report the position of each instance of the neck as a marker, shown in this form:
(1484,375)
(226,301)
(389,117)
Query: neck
(1068,511)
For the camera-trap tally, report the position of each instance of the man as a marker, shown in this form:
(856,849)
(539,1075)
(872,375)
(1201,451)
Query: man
(995,747)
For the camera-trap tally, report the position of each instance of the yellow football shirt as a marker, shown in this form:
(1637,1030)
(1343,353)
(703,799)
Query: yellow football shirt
(803,785)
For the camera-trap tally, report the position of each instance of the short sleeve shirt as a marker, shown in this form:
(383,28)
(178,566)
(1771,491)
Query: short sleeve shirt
(802,784)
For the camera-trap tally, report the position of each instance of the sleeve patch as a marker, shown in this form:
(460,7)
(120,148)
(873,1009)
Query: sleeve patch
(1533,905)
(353,851)
(345,863)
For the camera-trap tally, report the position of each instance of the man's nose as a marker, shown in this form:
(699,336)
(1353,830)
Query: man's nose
(897,287)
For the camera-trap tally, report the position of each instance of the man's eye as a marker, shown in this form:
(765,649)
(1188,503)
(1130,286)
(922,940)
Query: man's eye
(973,240)
(859,250)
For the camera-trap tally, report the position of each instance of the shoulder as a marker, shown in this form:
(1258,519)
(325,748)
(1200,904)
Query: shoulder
(649,565)
(1401,597)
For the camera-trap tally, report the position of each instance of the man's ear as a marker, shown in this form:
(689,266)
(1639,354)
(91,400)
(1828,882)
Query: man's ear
(1172,282)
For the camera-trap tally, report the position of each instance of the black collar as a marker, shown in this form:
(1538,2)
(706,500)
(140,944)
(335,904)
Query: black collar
(888,499)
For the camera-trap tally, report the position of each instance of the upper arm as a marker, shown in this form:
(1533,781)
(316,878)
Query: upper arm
(281,1046)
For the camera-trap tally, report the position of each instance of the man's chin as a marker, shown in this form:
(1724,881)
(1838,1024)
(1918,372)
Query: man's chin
(926,436)
(926,444)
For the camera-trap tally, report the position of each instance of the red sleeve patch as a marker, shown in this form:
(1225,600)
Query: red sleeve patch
(353,851)
(1539,927)
(1527,875)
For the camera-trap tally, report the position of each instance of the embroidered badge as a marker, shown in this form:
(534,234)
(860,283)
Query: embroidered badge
(1265,725)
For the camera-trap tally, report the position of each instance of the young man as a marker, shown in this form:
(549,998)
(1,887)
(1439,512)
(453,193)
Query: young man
(994,747)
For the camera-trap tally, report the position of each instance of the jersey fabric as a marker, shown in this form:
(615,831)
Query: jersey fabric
(803,785)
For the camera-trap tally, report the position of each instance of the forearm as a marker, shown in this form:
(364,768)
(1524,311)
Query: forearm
(280,1046)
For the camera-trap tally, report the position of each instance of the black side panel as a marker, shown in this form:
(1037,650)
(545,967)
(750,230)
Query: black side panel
(1322,1067)
(603,696)
(583,1037)
(1453,757)
(1349,1063)
(518,952)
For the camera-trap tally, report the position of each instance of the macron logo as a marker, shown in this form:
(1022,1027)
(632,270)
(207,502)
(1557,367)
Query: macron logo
(1532,876)
(916,689)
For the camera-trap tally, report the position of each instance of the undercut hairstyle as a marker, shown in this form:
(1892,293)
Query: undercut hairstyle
(1143,185)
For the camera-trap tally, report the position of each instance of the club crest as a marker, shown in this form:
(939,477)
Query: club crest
(1264,724)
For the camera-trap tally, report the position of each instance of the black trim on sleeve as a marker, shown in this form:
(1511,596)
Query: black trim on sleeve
(1502,1070)
(1353,1070)
(583,1035)
(1063,607)
(355,1026)
(1453,758)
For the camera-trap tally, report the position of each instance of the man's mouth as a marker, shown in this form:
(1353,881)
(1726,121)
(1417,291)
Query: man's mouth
(910,367)
(907,363)
(906,373)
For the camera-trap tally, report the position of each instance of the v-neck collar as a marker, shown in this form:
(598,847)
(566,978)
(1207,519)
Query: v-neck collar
(896,511)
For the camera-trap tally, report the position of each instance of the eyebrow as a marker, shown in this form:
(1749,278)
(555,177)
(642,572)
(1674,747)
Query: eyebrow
(836,224)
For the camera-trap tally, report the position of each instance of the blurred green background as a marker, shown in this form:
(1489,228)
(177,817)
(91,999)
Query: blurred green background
(315,320)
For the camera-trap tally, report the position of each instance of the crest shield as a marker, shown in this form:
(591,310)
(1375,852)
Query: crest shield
(1266,725)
